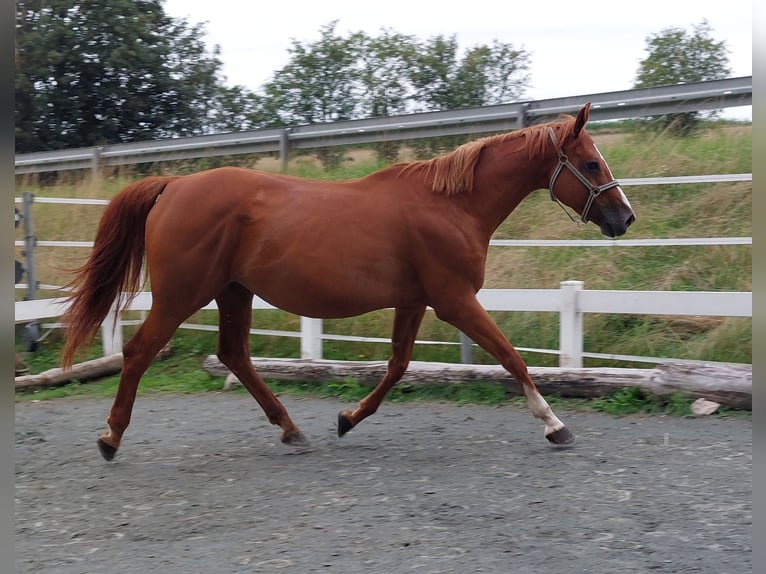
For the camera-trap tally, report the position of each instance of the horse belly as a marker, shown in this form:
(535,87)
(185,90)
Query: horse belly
(326,258)
(331,293)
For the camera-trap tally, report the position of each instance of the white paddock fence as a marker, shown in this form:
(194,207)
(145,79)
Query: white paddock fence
(571,301)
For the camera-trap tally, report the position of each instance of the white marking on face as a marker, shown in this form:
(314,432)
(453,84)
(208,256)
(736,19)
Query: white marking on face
(618,188)
(624,198)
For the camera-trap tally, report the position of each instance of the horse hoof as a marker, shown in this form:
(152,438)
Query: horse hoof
(295,438)
(344,424)
(106,449)
(561,437)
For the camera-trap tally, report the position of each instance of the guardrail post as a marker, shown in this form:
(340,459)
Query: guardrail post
(284,148)
(95,164)
(311,338)
(523,116)
(111,332)
(570,326)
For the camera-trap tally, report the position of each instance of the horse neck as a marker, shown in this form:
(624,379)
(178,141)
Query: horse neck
(502,180)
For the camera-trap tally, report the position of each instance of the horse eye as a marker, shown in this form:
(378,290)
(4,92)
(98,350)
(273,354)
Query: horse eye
(593,166)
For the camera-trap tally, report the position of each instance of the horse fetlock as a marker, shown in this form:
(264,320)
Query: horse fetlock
(111,438)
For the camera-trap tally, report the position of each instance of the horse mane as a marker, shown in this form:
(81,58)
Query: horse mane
(453,172)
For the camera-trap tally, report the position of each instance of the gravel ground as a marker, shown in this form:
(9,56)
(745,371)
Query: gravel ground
(203,485)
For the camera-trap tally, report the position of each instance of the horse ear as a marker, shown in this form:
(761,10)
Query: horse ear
(581,119)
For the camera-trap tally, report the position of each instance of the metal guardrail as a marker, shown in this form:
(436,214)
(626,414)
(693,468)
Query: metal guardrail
(626,104)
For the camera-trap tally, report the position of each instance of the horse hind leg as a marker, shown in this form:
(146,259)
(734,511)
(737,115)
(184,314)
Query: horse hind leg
(235,317)
(138,353)
(406,324)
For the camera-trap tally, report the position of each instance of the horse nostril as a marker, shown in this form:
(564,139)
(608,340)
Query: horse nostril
(630,220)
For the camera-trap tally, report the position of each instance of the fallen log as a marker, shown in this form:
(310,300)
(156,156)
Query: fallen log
(85,371)
(730,385)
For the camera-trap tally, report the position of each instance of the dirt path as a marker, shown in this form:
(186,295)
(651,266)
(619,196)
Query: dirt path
(202,485)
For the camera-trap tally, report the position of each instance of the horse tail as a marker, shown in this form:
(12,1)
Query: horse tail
(113,270)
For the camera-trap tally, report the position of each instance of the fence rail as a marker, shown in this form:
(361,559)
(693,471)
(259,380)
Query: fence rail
(668,242)
(638,181)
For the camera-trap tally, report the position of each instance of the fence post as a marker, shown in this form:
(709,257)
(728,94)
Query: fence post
(466,349)
(570,326)
(29,246)
(311,338)
(111,332)
(31,335)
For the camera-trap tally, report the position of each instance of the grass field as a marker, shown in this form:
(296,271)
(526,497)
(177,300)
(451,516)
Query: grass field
(698,210)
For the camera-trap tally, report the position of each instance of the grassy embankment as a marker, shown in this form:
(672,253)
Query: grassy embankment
(707,210)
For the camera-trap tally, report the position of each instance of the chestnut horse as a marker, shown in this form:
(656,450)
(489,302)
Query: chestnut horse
(408,236)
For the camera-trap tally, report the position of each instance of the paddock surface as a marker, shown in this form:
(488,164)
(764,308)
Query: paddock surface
(202,485)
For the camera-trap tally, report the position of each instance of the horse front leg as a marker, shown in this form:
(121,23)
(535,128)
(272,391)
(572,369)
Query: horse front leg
(406,324)
(234,319)
(471,318)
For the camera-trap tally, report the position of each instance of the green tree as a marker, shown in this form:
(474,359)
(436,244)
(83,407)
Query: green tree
(238,109)
(384,64)
(443,80)
(488,75)
(357,76)
(677,57)
(96,72)
(484,75)
(507,72)
(320,82)
(432,72)
(386,90)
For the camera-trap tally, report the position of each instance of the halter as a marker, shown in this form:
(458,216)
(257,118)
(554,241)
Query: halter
(594,190)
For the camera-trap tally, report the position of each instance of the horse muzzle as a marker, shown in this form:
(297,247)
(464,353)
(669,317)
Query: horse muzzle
(617,225)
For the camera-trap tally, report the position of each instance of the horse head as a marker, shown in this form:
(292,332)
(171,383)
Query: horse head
(583,181)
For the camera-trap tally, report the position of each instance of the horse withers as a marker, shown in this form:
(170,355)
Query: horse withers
(409,236)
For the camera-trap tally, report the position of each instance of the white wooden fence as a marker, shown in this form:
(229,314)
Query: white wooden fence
(571,300)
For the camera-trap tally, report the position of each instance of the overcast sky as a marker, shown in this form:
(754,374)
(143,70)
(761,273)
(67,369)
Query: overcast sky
(575,47)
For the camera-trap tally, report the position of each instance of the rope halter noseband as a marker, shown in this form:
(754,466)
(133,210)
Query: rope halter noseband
(594,190)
